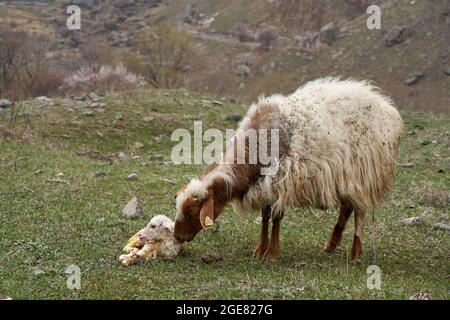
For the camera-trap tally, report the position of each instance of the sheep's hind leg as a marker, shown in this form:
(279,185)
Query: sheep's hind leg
(357,240)
(264,237)
(273,250)
(336,237)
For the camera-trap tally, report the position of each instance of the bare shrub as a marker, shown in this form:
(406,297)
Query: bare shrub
(24,71)
(45,83)
(97,53)
(166,54)
(106,79)
(243,33)
(267,38)
(13,55)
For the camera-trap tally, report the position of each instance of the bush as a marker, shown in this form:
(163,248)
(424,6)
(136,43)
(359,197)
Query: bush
(106,79)
(268,38)
(97,53)
(243,33)
(45,83)
(166,55)
(23,69)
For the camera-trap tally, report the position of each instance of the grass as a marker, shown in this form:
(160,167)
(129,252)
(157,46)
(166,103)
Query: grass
(49,223)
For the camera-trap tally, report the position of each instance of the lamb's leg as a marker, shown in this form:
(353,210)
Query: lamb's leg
(273,250)
(336,237)
(357,240)
(264,237)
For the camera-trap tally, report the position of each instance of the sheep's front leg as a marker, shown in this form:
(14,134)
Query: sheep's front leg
(273,250)
(336,236)
(264,237)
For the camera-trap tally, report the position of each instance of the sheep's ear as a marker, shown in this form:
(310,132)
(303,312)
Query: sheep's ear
(168,226)
(207,213)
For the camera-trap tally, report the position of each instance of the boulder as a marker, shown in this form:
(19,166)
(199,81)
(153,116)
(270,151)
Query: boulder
(329,33)
(133,209)
(397,35)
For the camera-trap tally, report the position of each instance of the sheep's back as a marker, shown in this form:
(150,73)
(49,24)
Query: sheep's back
(343,139)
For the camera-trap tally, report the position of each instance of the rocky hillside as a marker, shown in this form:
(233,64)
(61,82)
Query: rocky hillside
(409,58)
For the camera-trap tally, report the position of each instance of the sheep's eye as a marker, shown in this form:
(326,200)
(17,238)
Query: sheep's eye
(153,226)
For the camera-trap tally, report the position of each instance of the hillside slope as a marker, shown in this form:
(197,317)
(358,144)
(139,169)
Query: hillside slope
(223,66)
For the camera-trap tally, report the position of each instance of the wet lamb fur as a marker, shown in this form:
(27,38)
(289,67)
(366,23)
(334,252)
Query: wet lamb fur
(338,143)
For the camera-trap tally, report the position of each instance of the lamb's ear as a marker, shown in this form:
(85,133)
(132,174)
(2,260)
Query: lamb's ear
(168,226)
(207,213)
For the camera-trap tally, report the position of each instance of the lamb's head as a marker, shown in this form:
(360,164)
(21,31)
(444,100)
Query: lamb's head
(158,228)
(195,210)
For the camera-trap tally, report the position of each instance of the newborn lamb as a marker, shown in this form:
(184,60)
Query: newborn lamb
(155,240)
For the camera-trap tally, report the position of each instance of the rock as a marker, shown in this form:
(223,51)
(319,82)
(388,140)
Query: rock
(148,119)
(133,209)
(245,59)
(407,165)
(60,175)
(88,114)
(441,226)
(2,110)
(168,181)
(217,103)
(413,78)
(308,40)
(98,105)
(5,103)
(329,33)
(94,97)
(133,177)
(99,174)
(138,145)
(121,155)
(234,117)
(38,272)
(412,220)
(43,99)
(135,158)
(397,35)
(420,296)
(243,71)
(211,257)
(447,71)
(157,158)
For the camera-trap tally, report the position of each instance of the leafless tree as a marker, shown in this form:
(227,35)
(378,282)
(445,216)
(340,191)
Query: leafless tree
(267,38)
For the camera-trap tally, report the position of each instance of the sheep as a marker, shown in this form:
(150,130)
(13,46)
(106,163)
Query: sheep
(338,140)
(155,240)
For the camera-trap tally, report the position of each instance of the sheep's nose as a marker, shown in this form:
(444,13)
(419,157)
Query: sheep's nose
(142,238)
(178,238)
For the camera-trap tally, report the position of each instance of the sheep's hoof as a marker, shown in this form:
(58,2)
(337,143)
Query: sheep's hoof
(355,262)
(259,251)
(270,255)
(330,248)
